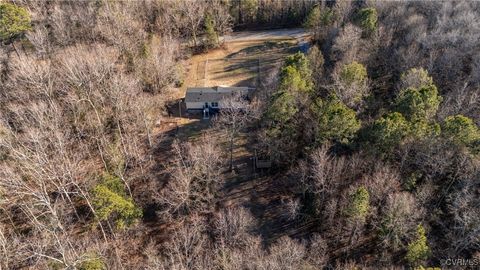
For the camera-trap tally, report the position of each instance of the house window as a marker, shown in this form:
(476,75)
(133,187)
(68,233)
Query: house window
(206,105)
(215,104)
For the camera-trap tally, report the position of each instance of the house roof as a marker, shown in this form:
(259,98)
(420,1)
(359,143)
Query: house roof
(213,94)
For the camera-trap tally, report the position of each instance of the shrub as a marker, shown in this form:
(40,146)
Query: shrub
(418,249)
(111,202)
(335,121)
(93,263)
(14,21)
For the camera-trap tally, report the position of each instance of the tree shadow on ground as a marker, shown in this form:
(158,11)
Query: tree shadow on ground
(258,49)
(264,195)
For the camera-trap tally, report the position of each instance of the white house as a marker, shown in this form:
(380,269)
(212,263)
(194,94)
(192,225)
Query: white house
(210,98)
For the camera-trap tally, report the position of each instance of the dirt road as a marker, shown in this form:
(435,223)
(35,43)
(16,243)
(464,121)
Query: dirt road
(293,33)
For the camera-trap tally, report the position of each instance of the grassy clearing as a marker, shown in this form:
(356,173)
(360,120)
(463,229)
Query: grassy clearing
(238,63)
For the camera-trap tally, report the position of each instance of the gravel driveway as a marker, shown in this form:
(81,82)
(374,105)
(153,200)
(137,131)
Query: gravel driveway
(267,34)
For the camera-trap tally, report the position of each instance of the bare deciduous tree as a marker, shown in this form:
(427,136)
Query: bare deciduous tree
(235,114)
(195,177)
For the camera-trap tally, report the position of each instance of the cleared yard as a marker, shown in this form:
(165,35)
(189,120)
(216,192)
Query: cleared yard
(238,63)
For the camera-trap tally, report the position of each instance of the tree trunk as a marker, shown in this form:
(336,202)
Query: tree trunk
(15,49)
(231,153)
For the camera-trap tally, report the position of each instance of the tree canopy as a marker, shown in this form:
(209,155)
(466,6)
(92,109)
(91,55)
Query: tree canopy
(418,103)
(334,120)
(359,204)
(418,249)
(296,73)
(14,21)
(368,20)
(461,130)
(415,78)
(388,131)
(212,36)
(353,73)
(318,17)
(111,201)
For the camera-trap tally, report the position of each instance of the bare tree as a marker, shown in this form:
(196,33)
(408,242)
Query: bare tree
(189,246)
(235,114)
(191,14)
(464,234)
(286,253)
(347,45)
(196,174)
(221,16)
(232,226)
(399,219)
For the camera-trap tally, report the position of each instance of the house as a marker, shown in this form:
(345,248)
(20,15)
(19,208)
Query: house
(212,98)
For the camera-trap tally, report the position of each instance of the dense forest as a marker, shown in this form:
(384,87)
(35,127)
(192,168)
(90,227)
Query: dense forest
(373,136)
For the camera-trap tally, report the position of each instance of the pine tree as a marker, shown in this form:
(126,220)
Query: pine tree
(14,21)
(111,202)
(359,204)
(368,20)
(334,120)
(418,250)
(212,36)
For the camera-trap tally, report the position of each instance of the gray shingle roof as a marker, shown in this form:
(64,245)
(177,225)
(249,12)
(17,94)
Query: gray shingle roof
(212,94)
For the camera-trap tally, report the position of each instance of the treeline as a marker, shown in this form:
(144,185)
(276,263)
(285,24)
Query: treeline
(269,13)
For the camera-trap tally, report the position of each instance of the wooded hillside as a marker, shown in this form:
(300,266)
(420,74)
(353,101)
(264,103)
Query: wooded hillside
(373,136)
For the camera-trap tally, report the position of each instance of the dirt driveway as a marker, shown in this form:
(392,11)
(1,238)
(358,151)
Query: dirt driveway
(290,33)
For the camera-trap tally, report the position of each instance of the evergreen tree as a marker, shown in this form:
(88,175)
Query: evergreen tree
(418,250)
(112,202)
(359,204)
(462,131)
(388,131)
(418,104)
(353,73)
(368,20)
(299,62)
(14,21)
(335,121)
(212,36)
(313,18)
